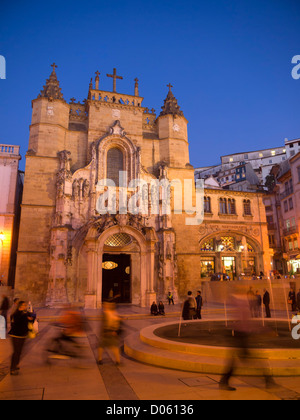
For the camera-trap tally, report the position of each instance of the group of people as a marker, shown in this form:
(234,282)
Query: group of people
(158,309)
(256,301)
(20,318)
(220,277)
(192,307)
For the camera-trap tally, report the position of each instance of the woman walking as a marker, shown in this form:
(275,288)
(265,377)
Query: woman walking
(110,331)
(19,332)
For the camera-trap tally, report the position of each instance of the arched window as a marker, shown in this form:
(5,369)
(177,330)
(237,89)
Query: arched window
(231,206)
(223,206)
(207,205)
(115,164)
(247,208)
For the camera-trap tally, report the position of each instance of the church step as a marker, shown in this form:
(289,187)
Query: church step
(147,354)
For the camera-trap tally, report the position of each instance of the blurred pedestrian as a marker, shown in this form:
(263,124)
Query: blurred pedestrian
(189,307)
(19,333)
(251,301)
(266,302)
(243,329)
(199,303)
(258,304)
(4,308)
(110,331)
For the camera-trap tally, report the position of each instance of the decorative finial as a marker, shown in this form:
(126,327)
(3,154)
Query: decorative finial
(91,84)
(54,66)
(97,80)
(171,106)
(51,90)
(136,87)
(72,100)
(115,77)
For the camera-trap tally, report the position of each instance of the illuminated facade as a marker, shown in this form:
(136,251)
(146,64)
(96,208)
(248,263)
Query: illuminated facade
(69,252)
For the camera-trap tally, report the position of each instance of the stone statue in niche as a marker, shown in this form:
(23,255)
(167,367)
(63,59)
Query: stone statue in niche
(86,189)
(76,189)
(60,189)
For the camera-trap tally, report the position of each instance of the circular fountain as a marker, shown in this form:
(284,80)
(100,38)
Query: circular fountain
(207,347)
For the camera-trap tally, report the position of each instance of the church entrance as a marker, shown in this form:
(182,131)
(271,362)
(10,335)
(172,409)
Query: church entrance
(116,277)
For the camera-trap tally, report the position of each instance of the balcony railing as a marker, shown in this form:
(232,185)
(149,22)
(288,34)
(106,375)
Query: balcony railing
(6,149)
(286,193)
(290,231)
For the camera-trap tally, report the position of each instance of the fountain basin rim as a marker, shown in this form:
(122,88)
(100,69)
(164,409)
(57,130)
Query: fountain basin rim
(147,336)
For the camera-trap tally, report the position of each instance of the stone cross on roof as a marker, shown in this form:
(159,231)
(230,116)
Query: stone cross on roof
(115,77)
(169,86)
(54,66)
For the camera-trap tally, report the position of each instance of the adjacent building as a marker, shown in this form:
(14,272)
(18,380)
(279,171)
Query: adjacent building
(283,215)
(11,185)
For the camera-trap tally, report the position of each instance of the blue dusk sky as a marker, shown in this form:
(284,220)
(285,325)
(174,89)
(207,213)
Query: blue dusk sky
(230,62)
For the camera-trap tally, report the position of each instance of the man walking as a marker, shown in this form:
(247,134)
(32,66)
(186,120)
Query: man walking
(199,302)
(266,302)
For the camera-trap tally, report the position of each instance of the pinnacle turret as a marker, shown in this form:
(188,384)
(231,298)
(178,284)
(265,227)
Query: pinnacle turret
(51,89)
(171,106)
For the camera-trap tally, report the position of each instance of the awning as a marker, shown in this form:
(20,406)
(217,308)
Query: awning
(295,257)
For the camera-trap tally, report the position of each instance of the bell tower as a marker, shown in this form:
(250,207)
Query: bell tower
(172,133)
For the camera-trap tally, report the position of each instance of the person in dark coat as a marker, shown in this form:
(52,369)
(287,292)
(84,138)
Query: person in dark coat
(266,302)
(154,309)
(298,300)
(161,308)
(199,302)
(292,300)
(19,332)
(4,308)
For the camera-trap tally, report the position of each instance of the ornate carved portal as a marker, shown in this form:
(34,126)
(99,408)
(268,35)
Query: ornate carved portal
(105,238)
(79,234)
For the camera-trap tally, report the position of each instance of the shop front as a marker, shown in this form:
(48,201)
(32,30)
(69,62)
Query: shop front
(229,257)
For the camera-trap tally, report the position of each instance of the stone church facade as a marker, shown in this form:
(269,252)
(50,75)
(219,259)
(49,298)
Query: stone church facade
(70,252)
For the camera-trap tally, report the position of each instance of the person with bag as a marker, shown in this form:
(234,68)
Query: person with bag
(20,320)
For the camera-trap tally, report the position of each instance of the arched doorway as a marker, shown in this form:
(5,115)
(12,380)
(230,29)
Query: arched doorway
(120,262)
(119,251)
